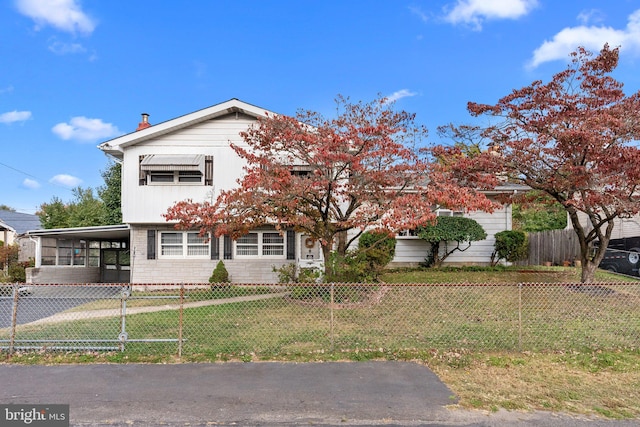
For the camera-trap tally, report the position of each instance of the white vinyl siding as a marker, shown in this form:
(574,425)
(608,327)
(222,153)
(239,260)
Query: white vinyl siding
(145,202)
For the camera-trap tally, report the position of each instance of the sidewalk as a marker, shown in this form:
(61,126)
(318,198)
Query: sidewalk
(116,312)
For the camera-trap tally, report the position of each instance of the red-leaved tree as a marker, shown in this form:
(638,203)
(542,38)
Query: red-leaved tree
(575,139)
(332,178)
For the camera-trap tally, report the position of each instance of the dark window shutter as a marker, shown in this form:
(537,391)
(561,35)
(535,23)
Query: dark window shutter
(228,248)
(215,248)
(151,244)
(291,244)
(208,170)
(142,175)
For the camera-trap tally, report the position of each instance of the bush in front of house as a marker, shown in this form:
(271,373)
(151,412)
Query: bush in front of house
(220,274)
(448,235)
(291,273)
(511,245)
(377,249)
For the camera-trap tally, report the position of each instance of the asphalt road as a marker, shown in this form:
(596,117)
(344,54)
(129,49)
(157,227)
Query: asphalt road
(258,394)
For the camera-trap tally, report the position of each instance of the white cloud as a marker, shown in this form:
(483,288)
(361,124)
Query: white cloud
(403,93)
(66,180)
(590,37)
(61,48)
(15,116)
(85,129)
(6,89)
(475,12)
(65,15)
(590,16)
(31,184)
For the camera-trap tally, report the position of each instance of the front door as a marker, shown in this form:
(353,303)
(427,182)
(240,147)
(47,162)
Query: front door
(310,253)
(115,265)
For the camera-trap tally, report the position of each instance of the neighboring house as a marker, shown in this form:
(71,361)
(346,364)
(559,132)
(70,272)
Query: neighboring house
(13,225)
(189,157)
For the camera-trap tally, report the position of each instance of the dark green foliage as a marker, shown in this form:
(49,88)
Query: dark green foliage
(511,245)
(449,230)
(350,268)
(220,274)
(539,215)
(290,273)
(376,250)
(111,193)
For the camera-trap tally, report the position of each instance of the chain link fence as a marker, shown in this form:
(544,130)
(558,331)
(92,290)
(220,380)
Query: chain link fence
(223,322)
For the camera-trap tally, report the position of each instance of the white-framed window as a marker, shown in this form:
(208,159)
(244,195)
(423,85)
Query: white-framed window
(184,244)
(408,234)
(173,169)
(260,244)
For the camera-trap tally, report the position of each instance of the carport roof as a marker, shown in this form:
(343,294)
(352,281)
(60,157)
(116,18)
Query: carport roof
(105,232)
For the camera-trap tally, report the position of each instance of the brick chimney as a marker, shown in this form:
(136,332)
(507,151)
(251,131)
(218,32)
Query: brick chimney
(144,123)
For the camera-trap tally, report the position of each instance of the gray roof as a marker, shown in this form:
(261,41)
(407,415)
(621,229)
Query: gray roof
(19,222)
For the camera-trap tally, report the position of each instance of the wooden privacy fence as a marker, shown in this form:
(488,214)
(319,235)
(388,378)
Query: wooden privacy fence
(554,246)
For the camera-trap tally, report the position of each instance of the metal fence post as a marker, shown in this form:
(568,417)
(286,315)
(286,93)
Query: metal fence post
(519,316)
(180,320)
(331,315)
(14,317)
(124,295)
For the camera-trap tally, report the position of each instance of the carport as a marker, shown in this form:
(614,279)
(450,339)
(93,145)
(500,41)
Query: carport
(81,255)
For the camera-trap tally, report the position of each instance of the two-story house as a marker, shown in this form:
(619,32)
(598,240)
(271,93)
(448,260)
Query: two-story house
(190,157)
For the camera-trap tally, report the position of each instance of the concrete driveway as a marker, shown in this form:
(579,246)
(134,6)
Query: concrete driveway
(248,394)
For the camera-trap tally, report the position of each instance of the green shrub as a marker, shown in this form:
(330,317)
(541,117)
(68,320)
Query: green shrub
(350,268)
(220,274)
(17,272)
(290,273)
(376,250)
(448,235)
(511,245)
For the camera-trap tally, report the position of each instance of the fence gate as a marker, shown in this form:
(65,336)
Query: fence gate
(25,310)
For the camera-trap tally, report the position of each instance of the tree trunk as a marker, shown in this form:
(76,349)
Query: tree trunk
(590,264)
(588,272)
(342,243)
(326,254)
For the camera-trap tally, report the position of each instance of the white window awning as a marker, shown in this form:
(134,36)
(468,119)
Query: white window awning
(172,162)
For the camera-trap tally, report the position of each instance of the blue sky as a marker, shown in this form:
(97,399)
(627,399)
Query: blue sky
(76,73)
